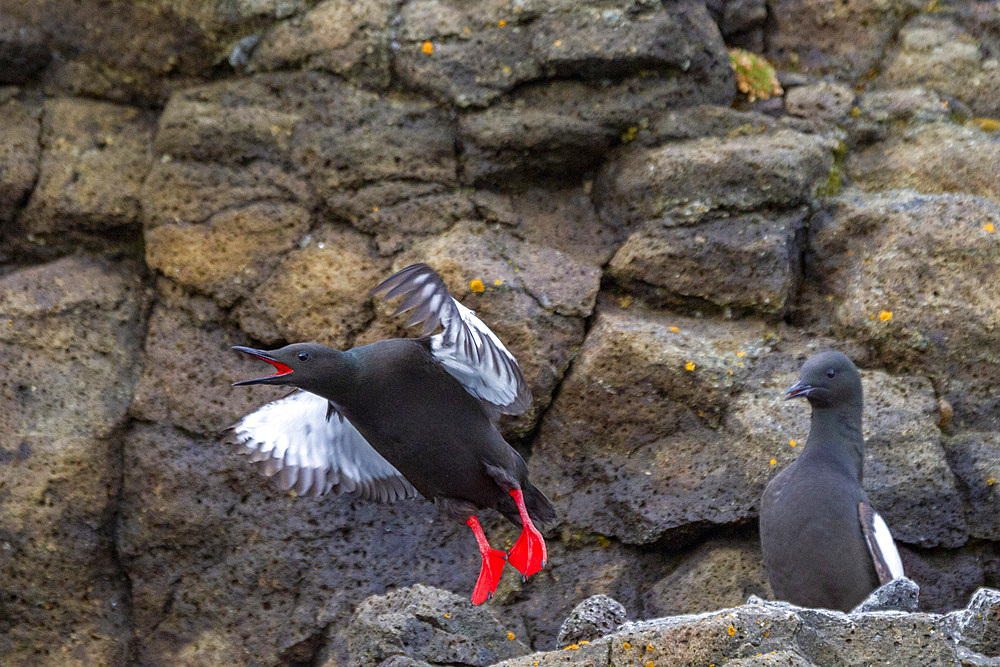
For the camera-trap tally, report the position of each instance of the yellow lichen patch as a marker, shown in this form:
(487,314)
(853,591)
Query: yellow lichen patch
(731,630)
(773,461)
(583,642)
(885,315)
(855,112)
(626,646)
(477,285)
(510,636)
(792,443)
(675,329)
(447,615)
(989,227)
(987,124)
(501,23)
(689,366)
(427,47)
(557,43)
(650,664)
(625,301)
(572,647)
(497,283)
(629,134)
(991,481)
(649,647)
(741,354)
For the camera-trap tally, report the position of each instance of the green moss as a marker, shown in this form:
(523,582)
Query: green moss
(834,182)
(755,77)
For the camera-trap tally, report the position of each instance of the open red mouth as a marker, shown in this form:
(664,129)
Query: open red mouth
(282,369)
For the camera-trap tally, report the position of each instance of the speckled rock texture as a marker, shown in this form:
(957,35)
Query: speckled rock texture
(177,177)
(767,633)
(594,617)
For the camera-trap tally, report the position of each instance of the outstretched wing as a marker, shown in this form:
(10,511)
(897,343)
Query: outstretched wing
(305,444)
(466,347)
(888,565)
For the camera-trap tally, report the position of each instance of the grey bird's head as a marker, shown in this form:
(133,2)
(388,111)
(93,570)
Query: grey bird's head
(827,379)
(302,365)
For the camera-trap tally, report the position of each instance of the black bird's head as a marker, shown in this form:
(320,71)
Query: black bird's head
(302,365)
(827,379)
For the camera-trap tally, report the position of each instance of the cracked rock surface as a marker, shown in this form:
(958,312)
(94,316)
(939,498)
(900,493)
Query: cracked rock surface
(660,254)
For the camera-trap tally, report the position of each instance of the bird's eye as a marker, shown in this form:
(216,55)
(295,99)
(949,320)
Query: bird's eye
(304,356)
(829,373)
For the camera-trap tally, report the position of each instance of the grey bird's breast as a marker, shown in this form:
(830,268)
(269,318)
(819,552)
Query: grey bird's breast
(813,545)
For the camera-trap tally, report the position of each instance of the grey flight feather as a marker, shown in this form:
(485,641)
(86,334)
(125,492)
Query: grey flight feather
(467,349)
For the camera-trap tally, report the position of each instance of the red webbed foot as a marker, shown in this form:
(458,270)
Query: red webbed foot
(528,553)
(492,568)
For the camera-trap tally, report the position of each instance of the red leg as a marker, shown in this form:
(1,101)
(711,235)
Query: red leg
(493,562)
(528,553)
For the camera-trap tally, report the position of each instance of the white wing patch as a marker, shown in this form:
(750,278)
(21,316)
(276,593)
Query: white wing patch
(886,546)
(468,350)
(293,441)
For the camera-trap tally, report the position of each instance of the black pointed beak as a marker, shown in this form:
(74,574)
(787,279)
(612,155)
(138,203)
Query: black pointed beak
(282,369)
(798,389)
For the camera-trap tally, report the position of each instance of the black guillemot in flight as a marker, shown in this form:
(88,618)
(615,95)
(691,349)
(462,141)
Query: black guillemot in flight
(406,416)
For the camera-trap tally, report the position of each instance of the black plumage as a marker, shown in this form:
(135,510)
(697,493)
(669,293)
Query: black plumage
(823,544)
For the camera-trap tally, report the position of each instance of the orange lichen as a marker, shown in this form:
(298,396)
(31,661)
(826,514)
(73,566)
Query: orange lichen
(675,329)
(731,630)
(626,646)
(477,285)
(501,23)
(427,47)
(989,227)
(510,636)
(885,315)
(447,615)
(572,647)
(741,353)
(649,647)
(689,366)
(557,43)
(792,443)
(773,461)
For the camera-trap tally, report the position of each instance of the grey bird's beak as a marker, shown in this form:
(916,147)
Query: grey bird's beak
(798,389)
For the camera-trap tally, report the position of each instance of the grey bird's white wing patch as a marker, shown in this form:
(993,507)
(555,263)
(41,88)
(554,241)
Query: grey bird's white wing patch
(468,350)
(888,564)
(304,443)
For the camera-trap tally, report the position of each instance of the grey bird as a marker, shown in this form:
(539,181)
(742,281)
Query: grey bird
(406,416)
(823,544)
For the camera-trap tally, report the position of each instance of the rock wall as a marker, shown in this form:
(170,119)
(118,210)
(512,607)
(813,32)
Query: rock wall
(660,255)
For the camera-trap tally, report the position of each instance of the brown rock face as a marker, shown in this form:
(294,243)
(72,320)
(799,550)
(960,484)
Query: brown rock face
(906,273)
(179,176)
(70,346)
(73,191)
(634,422)
(745,263)
(19,154)
(833,37)
(720,573)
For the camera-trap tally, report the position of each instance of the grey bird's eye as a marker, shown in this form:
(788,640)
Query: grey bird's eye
(829,373)
(304,356)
